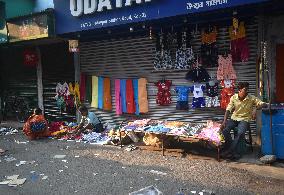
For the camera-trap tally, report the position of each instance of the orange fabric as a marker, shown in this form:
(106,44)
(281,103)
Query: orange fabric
(33,135)
(279,73)
(226,94)
(210,37)
(107,94)
(238,33)
(143,96)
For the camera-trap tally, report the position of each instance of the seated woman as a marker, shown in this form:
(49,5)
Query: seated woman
(89,122)
(36,126)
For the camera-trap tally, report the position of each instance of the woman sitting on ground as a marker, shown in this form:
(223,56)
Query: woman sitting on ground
(36,126)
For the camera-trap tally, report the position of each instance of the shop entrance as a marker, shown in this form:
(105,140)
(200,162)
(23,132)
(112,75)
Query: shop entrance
(279,72)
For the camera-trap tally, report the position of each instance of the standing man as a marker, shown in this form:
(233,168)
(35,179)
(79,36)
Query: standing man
(243,107)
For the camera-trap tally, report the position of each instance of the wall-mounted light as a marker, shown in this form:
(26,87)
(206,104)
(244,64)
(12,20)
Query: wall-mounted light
(131,29)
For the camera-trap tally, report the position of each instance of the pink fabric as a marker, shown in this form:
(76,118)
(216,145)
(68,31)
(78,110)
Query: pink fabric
(118,106)
(240,50)
(212,133)
(225,68)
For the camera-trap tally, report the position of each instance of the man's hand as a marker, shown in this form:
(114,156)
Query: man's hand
(223,125)
(254,114)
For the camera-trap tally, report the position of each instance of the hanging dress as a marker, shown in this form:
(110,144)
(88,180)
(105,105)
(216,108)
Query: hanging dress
(130,104)
(107,94)
(209,49)
(118,107)
(212,99)
(225,68)
(164,95)
(227,92)
(198,100)
(95,92)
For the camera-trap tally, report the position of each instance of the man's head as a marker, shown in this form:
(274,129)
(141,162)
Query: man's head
(243,89)
(83,110)
(37,111)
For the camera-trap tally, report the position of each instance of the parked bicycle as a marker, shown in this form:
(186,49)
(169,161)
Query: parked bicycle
(14,106)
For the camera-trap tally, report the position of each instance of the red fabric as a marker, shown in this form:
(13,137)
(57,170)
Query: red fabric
(55,126)
(82,87)
(130,103)
(33,135)
(240,50)
(226,94)
(164,95)
(30,58)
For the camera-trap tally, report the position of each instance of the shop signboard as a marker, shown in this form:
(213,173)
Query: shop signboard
(30,27)
(3,26)
(79,15)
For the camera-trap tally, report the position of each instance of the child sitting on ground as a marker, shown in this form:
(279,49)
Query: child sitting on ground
(36,126)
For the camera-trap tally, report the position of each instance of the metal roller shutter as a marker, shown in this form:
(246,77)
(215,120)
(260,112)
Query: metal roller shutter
(133,58)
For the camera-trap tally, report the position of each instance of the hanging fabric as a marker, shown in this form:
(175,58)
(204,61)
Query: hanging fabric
(82,87)
(123,95)
(143,95)
(212,94)
(227,92)
(209,49)
(198,100)
(89,89)
(136,102)
(118,100)
(225,68)
(239,43)
(164,95)
(101,93)
(95,92)
(182,100)
(130,105)
(107,94)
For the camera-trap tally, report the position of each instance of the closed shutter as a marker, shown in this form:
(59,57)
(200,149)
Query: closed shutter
(57,66)
(130,57)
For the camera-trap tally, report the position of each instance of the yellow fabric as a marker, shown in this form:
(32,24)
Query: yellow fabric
(71,89)
(243,109)
(77,90)
(95,91)
(237,33)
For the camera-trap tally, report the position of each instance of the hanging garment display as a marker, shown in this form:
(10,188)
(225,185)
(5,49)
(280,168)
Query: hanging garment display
(162,58)
(123,95)
(95,92)
(136,99)
(209,49)
(62,92)
(143,95)
(130,104)
(82,87)
(118,107)
(100,92)
(164,95)
(227,92)
(107,94)
(198,100)
(75,93)
(197,74)
(225,68)
(88,89)
(184,53)
(212,99)
(239,44)
(182,101)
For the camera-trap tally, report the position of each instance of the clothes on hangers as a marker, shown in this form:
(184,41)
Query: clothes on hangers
(212,92)
(239,43)
(209,49)
(130,104)
(164,95)
(136,99)
(197,74)
(225,68)
(123,95)
(198,100)
(182,99)
(227,92)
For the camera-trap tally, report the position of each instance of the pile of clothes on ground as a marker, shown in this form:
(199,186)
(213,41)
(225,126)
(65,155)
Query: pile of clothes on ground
(8,131)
